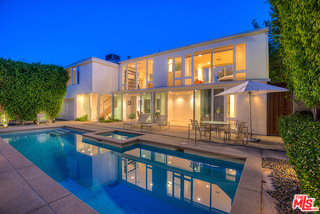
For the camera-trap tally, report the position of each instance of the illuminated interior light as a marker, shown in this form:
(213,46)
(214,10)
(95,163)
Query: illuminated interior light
(82,151)
(89,149)
(198,199)
(132,177)
(169,162)
(208,63)
(169,182)
(199,55)
(91,153)
(207,185)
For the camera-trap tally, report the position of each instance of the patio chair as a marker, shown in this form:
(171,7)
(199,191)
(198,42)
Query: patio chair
(160,121)
(197,128)
(240,130)
(141,121)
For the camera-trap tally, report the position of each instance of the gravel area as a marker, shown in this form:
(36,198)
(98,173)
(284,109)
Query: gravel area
(285,183)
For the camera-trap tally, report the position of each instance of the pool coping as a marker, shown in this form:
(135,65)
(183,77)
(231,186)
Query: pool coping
(248,197)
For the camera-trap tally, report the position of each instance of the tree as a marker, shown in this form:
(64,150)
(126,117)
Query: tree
(28,89)
(298,26)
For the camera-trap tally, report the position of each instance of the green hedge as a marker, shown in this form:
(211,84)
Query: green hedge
(302,138)
(31,88)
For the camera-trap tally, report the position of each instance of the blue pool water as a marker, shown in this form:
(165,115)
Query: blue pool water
(137,179)
(119,135)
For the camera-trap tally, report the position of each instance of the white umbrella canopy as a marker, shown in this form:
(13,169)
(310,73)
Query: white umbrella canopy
(255,88)
(252,88)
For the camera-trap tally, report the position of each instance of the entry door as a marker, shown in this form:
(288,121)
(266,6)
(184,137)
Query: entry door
(278,105)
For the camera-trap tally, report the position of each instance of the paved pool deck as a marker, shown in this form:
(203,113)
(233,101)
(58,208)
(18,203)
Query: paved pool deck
(24,188)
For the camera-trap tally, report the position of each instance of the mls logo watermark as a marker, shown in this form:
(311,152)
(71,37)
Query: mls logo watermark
(304,203)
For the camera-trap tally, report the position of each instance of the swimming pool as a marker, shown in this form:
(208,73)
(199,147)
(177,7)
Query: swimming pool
(136,179)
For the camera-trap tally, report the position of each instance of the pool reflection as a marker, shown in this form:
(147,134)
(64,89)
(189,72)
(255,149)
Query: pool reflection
(174,177)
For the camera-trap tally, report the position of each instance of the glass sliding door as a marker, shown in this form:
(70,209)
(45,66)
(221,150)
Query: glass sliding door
(105,105)
(146,105)
(159,104)
(117,106)
(131,107)
(218,113)
(202,104)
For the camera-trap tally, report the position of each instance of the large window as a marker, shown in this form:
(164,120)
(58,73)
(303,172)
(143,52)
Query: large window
(146,105)
(117,106)
(218,111)
(74,77)
(170,72)
(132,75)
(231,106)
(142,74)
(202,104)
(159,104)
(241,62)
(150,73)
(202,67)
(188,70)
(177,71)
(223,64)
(124,78)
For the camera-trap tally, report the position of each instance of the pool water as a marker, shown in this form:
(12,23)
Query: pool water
(119,135)
(137,179)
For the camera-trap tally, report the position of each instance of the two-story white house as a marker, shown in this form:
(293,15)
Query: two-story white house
(181,82)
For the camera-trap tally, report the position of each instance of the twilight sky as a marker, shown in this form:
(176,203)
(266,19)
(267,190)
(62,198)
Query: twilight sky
(65,31)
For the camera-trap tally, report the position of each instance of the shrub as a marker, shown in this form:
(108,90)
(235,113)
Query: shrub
(302,138)
(102,119)
(132,116)
(108,120)
(83,118)
(31,88)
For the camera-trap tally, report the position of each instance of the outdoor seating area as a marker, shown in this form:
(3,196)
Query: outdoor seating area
(219,129)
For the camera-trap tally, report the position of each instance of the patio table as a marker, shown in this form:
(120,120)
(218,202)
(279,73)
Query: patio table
(217,123)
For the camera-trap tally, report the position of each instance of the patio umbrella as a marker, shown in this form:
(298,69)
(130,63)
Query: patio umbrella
(251,88)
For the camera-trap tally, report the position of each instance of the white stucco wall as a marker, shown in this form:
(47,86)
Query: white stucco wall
(104,78)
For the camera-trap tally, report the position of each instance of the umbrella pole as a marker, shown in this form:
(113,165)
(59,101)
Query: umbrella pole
(250,121)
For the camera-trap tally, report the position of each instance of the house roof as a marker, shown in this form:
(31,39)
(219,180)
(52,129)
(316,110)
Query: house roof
(91,59)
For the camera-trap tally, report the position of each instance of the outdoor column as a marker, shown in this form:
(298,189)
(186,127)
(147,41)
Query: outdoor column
(98,107)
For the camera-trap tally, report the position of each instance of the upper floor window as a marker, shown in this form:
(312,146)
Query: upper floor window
(202,67)
(74,76)
(142,74)
(170,72)
(137,75)
(132,70)
(223,64)
(241,62)
(150,73)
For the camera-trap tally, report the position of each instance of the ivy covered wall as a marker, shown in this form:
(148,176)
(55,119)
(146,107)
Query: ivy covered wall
(30,88)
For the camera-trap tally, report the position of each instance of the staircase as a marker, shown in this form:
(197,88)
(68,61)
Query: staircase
(108,107)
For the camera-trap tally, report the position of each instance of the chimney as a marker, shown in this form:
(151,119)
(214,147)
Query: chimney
(112,58)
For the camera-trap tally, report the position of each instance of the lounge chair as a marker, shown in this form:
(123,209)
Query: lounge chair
(160,121)
(141,121)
